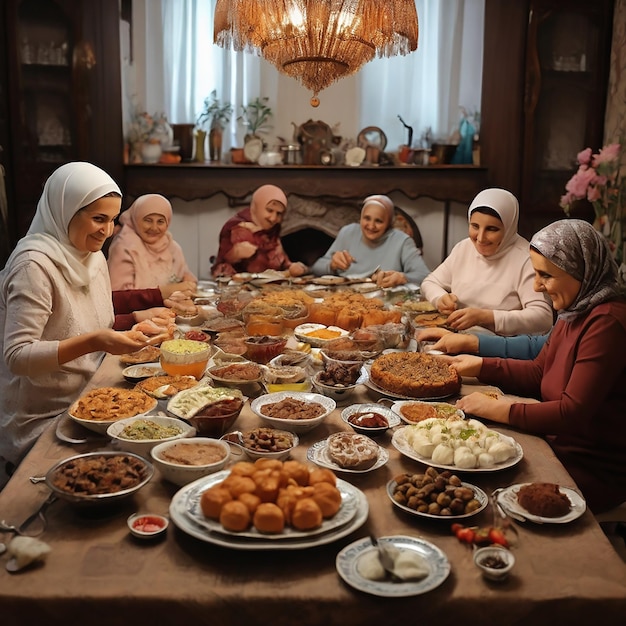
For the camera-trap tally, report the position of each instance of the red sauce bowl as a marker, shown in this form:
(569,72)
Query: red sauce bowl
(147,525)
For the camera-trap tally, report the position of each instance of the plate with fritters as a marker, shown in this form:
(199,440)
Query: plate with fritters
(100,407)
(147,354)
(165,386)
(98,478)
(430,319)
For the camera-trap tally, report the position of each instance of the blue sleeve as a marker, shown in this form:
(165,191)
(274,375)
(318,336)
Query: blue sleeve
(518,347)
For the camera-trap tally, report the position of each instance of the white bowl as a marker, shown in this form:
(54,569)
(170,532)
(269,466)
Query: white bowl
(301,333)
(101,425)
(235,439)
(147,525)
(183,473)
(336,392)
(393,419)
(297,426)
(494,552)
(143,446)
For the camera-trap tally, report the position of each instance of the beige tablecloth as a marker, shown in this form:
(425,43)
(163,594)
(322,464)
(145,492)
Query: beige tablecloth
(99,574)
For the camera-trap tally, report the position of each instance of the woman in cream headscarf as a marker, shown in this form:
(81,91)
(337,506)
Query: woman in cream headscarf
(580,374)
(374,248)
(487,279)
(56,310)
(250,240)
(143,255)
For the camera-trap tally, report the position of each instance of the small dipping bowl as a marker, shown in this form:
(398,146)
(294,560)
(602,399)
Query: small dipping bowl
(147,525)
(495,563)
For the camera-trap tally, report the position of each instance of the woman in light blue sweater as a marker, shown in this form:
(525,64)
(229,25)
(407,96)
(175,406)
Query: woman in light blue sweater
(359,249)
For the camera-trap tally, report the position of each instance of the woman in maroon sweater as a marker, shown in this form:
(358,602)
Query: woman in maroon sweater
(580,374)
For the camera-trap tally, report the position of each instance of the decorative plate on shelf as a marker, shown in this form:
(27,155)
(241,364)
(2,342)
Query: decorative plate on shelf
(253,148)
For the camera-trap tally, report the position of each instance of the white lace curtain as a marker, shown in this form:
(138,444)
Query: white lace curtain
(176,65)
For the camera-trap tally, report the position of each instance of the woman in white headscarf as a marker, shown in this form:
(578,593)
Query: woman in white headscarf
(580,374)
(56,310)
(374,247)
(487,279)
(144,255)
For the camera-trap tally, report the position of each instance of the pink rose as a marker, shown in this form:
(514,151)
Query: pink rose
(579,182)
(584,157)
(608,153)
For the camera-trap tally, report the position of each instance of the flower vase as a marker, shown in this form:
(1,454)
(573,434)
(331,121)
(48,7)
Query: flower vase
(200,137)
(215,143)
(151,151)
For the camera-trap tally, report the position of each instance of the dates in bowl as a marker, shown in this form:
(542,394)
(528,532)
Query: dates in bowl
(264,443)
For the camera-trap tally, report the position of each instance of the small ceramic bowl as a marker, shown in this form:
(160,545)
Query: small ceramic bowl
(339,393)
(147,525)
(181,462)
(494,562)
(362,425)
(247,442)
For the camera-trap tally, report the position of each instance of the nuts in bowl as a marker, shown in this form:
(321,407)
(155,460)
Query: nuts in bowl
(296,411)
(264,443)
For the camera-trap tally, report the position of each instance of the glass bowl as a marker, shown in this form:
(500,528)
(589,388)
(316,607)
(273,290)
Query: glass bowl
(185,357)
(264,348)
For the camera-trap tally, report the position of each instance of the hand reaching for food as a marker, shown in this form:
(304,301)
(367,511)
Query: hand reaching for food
(447,303)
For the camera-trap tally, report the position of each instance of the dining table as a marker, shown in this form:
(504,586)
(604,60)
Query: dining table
(98,573)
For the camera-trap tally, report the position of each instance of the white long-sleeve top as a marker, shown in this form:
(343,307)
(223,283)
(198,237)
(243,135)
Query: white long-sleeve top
(504,285)
(37,308)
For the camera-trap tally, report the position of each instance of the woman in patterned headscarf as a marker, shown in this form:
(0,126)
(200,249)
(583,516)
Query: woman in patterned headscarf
(144,255)
(487,279)
(250,240)
(580,374)
(374,245)
(56,311)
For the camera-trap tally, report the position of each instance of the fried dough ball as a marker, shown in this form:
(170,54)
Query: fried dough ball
(237,485)
(267,488)
(298,471)
(213,499)
(273,464)
(251,500)
(306,515)
(327,497)
(322,475)
(269,518)
(235,516)
(243,468)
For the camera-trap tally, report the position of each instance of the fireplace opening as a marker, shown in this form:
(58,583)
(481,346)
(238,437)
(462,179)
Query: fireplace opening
(306,245)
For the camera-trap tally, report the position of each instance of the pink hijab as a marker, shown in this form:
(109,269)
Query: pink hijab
(263,196)
(382,201)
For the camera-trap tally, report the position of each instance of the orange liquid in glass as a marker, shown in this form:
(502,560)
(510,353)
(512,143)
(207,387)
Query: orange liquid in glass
(263,325)
(185,369)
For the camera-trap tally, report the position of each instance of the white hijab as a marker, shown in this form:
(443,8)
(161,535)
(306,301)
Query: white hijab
(68,189)
(505,204)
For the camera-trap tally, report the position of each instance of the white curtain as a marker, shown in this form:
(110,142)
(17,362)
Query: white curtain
(180,66)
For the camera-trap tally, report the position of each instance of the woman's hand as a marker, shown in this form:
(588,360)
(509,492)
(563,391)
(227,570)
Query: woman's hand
(431,334)
(298,269)
(389,278)
(341,260)
(457,343)
(117,342)
(465,364)
(160,314)
(447,303)
(482,405)
(188,288)
(242,250)
(462,319)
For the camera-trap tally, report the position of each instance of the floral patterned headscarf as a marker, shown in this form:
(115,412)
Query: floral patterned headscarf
(577,248)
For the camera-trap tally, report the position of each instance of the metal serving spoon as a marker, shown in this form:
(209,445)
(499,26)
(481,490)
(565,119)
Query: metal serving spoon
(386,560)
(39,514)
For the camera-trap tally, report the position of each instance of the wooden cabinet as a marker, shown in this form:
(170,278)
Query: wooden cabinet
(61,77)
(545,78)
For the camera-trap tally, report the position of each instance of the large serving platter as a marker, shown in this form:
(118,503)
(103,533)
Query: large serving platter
(347,563)
(399,442)
(398,396)
(507,498)
(318,454)
(185,516)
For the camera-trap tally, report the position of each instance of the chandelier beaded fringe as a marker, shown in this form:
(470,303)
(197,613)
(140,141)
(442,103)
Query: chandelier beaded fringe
(317,42)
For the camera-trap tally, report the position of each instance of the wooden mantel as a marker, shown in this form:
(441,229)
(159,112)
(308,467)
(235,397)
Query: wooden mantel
(193,181)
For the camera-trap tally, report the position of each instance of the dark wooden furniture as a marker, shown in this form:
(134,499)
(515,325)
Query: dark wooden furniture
(545,77)
(60,76)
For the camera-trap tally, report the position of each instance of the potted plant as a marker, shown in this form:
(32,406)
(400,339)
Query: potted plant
(256,117)
(216,114)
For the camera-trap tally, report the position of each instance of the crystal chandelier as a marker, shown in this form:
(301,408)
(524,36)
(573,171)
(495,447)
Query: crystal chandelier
(317,41)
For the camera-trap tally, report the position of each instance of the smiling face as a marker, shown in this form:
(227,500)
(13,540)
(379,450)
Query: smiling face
(486,233)
(269,215)
(561,287)
(93,224)
(152,227)
(374,222)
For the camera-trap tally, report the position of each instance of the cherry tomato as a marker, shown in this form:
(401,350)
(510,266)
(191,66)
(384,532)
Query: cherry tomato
(497,536)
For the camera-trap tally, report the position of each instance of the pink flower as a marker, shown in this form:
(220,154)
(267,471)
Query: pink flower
(584,157)
(593,194)
(579,182)
(608,153)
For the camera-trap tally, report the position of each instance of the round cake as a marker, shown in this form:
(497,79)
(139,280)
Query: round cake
(544,499)
(415,375)
(352,450)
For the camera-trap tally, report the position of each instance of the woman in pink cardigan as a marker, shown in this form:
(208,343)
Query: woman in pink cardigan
(144,255)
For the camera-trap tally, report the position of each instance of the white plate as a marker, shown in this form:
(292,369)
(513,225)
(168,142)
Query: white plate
(347,567)
(448,408)
(318,454)
(400,443)
(135,373)
(507,498)
(398,396)
(479,494)
(330,279)
(180,517)
(300,332)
